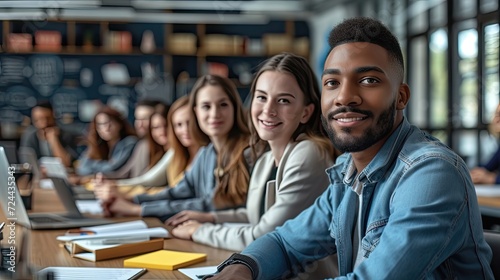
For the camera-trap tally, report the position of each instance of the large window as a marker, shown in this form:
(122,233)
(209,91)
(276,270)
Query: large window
(438,63)
(452,53)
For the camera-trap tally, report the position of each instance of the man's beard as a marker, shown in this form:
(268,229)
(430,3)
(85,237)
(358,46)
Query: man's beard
(370,136)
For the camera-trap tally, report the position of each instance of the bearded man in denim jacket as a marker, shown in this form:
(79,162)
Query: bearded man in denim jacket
(401,205)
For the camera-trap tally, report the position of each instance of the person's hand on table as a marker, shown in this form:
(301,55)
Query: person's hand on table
(79,180)
(122,207)
(105,190)
(186,215)
(185,230)
(480,175)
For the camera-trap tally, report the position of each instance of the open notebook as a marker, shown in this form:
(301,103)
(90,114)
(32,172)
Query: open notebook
(90,273)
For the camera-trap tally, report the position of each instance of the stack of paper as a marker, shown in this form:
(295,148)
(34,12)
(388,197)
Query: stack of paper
(118,230)
(488,190)
(198,272)
(114,240)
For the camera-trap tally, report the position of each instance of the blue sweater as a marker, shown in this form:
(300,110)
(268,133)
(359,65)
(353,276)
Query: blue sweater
(119,156)
(193,192)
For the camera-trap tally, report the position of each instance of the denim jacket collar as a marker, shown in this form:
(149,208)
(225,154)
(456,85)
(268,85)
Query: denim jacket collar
(378,166)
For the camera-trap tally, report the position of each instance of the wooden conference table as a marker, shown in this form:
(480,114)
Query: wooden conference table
(44,250)
(489,206)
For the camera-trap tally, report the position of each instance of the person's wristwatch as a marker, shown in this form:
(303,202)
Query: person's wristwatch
(240,259)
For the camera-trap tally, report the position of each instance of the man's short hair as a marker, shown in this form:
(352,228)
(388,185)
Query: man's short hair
(148,102)
(365,29)
(44,104)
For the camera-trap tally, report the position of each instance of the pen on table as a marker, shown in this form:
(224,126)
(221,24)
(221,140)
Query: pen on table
(79,232)
(202,276)
(50,275)
(1,228)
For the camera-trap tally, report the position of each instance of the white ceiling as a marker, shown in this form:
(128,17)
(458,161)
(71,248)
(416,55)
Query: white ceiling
(163,10)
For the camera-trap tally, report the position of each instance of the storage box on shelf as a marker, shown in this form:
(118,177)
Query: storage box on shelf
(233,50)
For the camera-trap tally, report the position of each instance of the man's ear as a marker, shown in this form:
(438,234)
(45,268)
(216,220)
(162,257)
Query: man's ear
(307,113)
(403,96)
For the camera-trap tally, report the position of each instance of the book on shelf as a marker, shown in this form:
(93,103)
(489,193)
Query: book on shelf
(165,259)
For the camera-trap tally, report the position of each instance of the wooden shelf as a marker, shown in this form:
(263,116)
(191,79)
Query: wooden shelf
(83,51)
(179,48)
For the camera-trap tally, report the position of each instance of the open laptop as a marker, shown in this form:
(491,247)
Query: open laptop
(10,147)
(17,212)
(55,169)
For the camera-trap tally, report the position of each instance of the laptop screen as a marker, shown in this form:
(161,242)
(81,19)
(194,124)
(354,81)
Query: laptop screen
(10,198)
(10,149)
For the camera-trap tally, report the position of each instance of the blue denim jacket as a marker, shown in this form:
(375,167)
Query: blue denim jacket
(420,213)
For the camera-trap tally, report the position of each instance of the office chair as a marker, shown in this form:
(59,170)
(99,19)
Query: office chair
(493,239)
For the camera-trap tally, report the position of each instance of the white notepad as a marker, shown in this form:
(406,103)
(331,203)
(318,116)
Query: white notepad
(92,273)
(488,190)
(197,272)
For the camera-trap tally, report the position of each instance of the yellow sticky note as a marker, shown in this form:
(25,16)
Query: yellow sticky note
(165,259)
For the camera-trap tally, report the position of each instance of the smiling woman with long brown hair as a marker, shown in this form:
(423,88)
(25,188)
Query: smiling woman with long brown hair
(286,115)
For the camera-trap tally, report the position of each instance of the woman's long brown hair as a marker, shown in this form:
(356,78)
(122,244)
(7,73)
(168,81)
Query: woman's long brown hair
(232,168)
(156,151)
(97,147)
(181,158)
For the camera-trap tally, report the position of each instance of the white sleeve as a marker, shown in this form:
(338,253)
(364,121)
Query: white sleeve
(154,177)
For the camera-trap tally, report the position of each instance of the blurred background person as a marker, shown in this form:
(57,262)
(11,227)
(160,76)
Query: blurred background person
(150,150)
(173,129)
(110,142)
(489,173)
(179,152)
(46,138)
(142,113)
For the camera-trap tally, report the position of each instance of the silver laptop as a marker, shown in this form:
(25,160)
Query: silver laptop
(55,169)
(14,209)
(10,147)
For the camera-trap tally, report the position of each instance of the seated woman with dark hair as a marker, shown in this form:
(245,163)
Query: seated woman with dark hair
(110,142)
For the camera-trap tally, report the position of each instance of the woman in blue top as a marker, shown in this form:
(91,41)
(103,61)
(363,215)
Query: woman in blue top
(219,176)
(110,142)
(488,174)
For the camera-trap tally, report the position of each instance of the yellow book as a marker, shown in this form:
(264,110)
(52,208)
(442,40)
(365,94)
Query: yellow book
(165,259)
